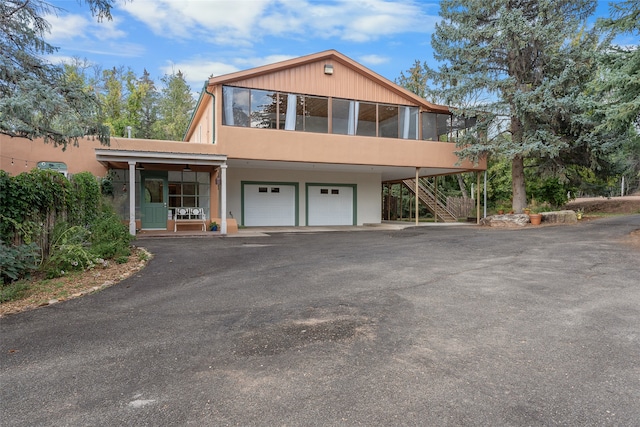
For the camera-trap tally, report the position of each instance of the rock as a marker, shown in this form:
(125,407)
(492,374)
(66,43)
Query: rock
(506,221)
(560,217)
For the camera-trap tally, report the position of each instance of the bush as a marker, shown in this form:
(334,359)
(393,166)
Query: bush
(17,262)
(110,238)
(13,291)
(69,250)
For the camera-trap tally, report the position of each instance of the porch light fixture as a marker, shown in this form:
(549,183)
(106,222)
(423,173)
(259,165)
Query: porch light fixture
(186,169)
(328,69)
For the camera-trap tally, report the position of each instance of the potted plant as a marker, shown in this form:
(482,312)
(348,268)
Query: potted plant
(535,217)
(213,226)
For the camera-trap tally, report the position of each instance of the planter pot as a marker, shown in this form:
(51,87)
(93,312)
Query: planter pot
(535,219)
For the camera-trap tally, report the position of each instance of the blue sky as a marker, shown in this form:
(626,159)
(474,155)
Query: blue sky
(214,37)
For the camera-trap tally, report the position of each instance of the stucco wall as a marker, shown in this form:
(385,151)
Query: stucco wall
(368,189)
(26,154)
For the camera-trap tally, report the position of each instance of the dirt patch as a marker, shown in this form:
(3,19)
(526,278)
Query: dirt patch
(633,239)
(601,205)
(43,291)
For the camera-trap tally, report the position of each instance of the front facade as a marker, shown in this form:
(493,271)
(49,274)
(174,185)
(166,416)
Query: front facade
(310,140)
(303,142)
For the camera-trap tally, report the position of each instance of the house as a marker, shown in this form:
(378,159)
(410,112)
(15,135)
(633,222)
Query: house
(304,142)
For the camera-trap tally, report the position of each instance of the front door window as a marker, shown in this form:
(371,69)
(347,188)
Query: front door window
(153,190)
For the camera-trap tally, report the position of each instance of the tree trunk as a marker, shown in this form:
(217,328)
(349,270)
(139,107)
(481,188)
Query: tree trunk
(463,188)
(518,185)
(518,189)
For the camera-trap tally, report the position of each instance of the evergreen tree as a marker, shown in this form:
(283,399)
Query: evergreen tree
(148,106)
(532,60)
(176,105)
(37,99)
(617,87)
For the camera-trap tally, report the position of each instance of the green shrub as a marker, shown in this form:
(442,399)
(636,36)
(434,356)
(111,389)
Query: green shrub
(69,250)
(110,238)
(123,259)
(13,291)
(17,262)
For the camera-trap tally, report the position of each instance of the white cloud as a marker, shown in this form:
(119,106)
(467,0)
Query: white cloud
(196,71)
(82,34)
(374,59)
(219,20)
(64,28)
(243,22)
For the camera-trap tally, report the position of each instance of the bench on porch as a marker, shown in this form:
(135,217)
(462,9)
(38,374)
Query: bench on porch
(189,216)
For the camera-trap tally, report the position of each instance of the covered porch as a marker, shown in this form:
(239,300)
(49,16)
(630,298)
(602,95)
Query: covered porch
(169,191)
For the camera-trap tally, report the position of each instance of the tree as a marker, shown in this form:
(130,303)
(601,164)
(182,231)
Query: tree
(36,98)
(617,86)
(532,59)
(415,80)
(148,106)
(176,105)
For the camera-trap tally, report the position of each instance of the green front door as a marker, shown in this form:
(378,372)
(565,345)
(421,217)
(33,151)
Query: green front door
(153,200)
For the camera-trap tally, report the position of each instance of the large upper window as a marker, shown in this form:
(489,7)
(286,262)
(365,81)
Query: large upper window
(436,127)
(353,117)
(236,106)
(316,114)
(388,121)
(264,109)
(367,119)
(409,122)
(306,113)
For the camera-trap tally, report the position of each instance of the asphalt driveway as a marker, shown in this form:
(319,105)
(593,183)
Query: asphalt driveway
(422,326)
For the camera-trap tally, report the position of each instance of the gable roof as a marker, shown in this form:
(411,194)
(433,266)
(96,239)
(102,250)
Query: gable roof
(328,55)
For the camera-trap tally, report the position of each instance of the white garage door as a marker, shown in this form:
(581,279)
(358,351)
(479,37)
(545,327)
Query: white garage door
(269,205)
(330,205)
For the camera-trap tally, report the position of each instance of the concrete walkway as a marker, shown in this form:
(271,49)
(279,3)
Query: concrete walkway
(265,231)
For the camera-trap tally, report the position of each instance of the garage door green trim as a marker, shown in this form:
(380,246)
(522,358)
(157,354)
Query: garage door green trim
(354,188)
(270,183)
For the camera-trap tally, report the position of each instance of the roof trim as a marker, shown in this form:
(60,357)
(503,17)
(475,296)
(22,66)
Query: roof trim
(151,157)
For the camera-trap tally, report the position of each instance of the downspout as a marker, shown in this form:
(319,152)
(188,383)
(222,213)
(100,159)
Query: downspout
(222,168)
(213,108)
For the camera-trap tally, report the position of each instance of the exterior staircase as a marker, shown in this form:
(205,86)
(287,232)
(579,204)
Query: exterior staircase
(426,194)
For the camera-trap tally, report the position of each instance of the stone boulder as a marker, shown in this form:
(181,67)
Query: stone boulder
(560,217)
(506,221)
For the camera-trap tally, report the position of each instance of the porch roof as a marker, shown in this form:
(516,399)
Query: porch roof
(119,159)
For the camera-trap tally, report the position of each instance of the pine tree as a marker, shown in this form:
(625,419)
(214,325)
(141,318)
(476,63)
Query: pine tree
(148,106)
(617,86)
(176,105)
(532,60)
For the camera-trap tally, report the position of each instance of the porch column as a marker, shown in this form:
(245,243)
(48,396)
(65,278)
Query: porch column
(435,198)
(223,199)
(417,194)
(132,198)
(478,198)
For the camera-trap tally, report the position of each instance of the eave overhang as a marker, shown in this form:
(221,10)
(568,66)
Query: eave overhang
(120,159)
